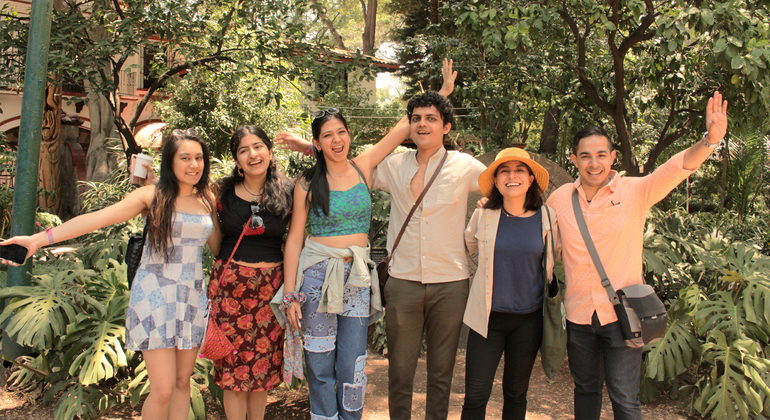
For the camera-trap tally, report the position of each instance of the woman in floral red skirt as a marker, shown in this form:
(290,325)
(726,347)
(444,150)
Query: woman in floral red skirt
(254,205)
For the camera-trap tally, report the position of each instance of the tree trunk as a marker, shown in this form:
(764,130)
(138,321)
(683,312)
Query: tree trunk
(723,184)
(434,16)
(99,161)
(549,136)
(370,25)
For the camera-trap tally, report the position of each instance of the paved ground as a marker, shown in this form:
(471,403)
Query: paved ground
(547,401)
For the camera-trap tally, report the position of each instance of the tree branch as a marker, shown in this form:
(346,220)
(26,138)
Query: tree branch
(329,24)
(118,10)
(165,76)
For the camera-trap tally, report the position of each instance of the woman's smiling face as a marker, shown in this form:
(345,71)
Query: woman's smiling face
(188,163)
(253,156)
(513,178)
(333,140)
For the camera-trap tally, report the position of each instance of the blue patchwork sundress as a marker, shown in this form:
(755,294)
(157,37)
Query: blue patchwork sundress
(168,301)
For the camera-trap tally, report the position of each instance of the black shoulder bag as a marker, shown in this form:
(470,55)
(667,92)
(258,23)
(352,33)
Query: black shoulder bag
(642,316)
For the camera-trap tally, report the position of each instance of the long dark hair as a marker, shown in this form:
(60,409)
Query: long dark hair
(532,201)
(161,212)
(278,189)
(316,175)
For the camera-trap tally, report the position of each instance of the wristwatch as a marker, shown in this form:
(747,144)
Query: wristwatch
(706,143)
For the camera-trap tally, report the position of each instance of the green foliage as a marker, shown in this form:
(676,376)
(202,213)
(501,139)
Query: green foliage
(217,104)
(718,288)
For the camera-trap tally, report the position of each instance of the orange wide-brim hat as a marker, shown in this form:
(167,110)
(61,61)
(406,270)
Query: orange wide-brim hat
(487,178)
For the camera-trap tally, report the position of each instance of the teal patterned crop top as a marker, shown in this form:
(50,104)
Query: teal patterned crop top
(349,212)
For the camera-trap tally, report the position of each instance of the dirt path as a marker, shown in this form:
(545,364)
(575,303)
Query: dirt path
(547,401)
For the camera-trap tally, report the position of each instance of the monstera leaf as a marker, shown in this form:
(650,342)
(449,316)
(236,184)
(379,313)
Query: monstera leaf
(139,385)
(735,379)
(80,402)
(94,343)
(723,314)
(756,303)
(672,355)
(38,315)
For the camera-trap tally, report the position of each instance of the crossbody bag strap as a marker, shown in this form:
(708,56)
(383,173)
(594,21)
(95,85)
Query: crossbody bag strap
(581,222)
(417,203)
(545,246)
(227,264)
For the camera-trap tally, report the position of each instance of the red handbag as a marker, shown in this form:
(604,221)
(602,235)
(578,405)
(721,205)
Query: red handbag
(216,345)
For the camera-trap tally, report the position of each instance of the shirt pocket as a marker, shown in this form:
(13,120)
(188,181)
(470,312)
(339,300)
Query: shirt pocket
(611,220)
(444,191)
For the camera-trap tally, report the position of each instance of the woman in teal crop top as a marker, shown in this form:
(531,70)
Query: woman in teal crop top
(350,212)
(328,290)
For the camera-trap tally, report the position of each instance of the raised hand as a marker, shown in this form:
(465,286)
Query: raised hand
(449,78)
(291,141)
(716,118)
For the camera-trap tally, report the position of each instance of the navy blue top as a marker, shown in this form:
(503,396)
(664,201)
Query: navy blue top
(518,269)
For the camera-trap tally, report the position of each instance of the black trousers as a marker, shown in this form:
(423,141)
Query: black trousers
(519,337)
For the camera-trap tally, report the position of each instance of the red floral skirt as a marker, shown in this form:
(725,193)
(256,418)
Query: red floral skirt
(241,307)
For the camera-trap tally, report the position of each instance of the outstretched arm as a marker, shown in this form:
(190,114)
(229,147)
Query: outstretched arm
(716,125)
(369,159)
(124,210)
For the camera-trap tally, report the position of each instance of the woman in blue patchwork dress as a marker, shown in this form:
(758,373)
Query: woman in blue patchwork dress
(166,313)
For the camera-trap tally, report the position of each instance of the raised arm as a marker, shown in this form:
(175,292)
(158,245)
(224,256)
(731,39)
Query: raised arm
(369,159)
(716,125)
(126,209)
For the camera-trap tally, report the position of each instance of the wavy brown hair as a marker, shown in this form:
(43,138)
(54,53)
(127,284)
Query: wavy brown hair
(161,214)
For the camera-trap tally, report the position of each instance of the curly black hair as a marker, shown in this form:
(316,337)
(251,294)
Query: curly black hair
(431,98)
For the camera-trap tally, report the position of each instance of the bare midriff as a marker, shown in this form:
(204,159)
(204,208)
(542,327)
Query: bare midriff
(343,241)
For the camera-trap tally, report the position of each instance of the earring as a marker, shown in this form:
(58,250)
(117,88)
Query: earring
(240,171)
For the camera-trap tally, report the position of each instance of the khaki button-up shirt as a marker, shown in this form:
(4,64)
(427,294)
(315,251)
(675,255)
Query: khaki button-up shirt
(432,249)
(616,218)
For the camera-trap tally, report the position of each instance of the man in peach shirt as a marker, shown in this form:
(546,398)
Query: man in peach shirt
(615,210)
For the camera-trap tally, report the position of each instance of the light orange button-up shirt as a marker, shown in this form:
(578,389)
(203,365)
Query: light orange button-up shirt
(616,220)
(432,249)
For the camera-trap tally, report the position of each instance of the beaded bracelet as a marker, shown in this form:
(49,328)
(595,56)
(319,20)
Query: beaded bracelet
(288,298)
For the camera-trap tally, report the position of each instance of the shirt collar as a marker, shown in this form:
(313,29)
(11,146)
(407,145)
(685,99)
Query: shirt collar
(440,152)
(613,184)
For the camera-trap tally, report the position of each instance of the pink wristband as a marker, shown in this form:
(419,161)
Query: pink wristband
(308,150)
(50,236)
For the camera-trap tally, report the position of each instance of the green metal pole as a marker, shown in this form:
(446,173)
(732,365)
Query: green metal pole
(30,134)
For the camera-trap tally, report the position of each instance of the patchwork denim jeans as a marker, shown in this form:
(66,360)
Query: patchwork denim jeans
(598,353)
(335,349)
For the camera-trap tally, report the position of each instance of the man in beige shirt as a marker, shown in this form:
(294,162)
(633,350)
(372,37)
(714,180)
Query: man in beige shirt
(428,284)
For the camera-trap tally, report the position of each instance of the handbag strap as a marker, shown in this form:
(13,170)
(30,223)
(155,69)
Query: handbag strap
(545,245)
(227,265)
(417,203)
(581,222)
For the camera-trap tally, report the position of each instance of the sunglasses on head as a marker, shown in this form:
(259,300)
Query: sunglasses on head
(190,132)
(256,220)
(321,113)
